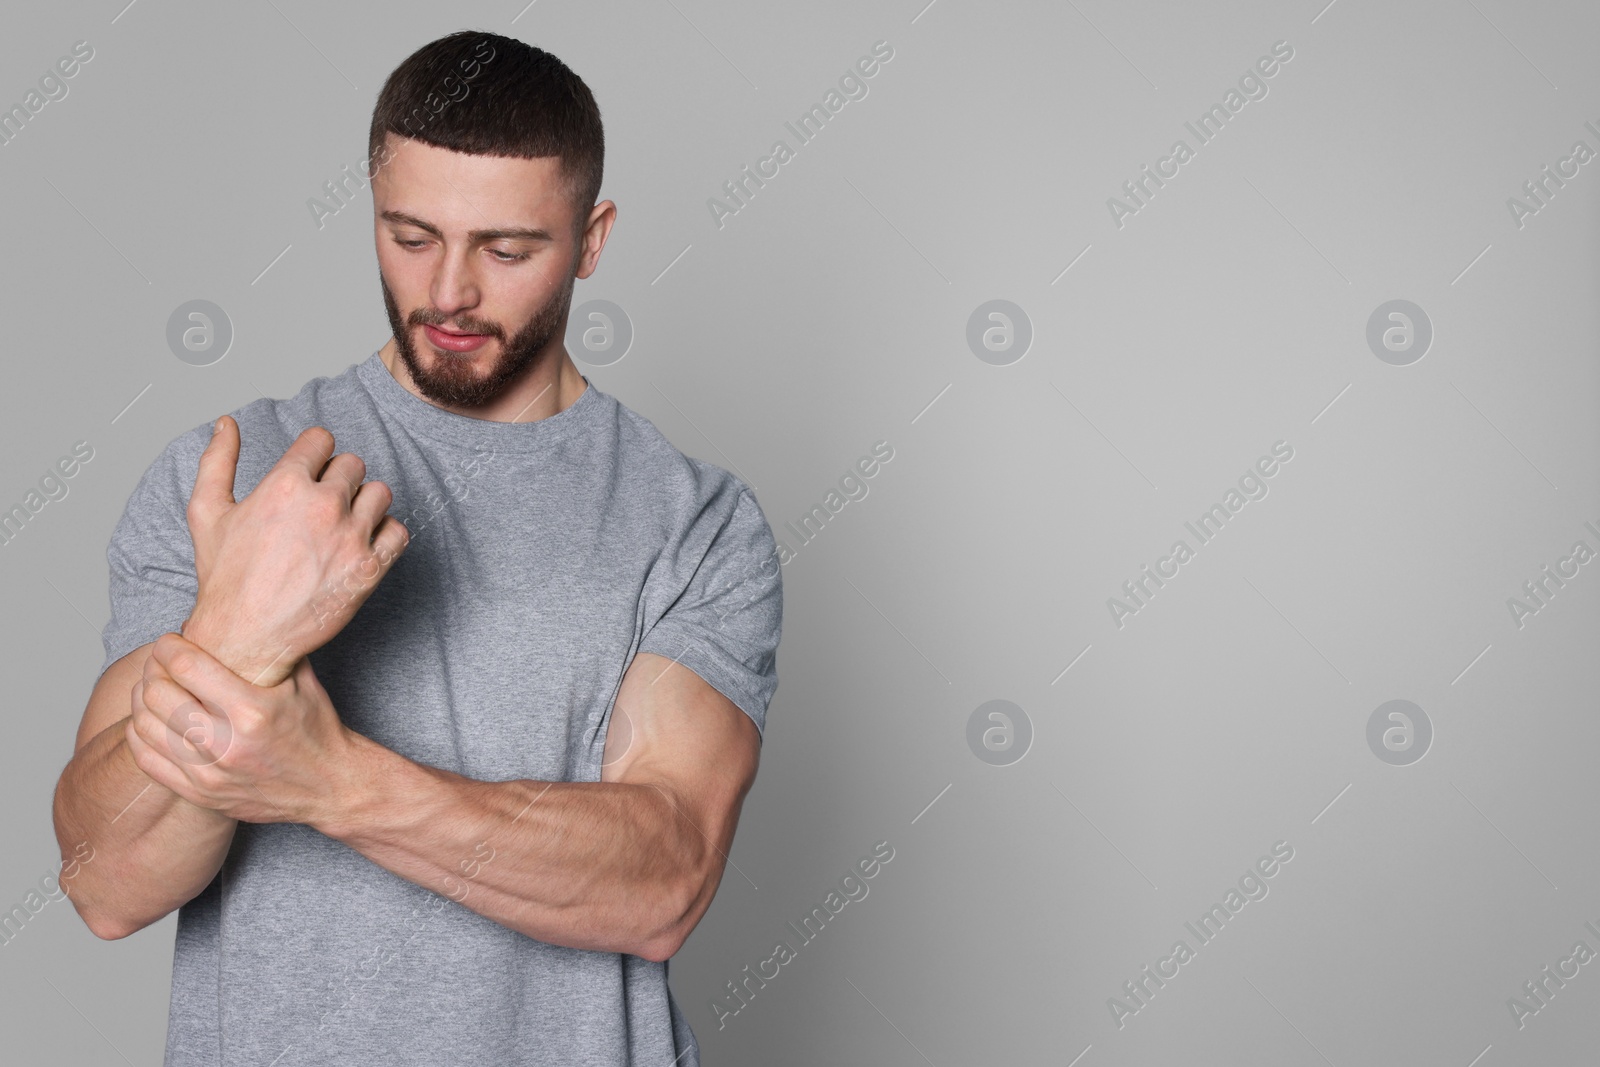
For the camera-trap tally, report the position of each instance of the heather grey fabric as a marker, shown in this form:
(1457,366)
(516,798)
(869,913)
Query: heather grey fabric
(543,556)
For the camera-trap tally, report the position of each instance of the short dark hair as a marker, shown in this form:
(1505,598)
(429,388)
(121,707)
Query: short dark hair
(487,95)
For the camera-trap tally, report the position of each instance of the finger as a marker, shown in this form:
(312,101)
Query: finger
(372,500)
(309,453)
(149,728)
(156,766)
(199,672)
(303,673)
(163,698)
(175,722)
(157,704)
(390,539)
(213,481)
(136,697)
(153,669)
(304,678)
(345,470)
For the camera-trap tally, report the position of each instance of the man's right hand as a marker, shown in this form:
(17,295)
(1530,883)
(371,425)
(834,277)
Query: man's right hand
(286,568)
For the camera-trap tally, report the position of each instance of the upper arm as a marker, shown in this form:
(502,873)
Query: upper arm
(671,730)
(691,707)
(670,727)
(150,557)
(109,700)
(152,586)
(724,617)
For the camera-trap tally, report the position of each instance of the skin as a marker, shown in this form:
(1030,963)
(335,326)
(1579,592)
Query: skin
(226,721)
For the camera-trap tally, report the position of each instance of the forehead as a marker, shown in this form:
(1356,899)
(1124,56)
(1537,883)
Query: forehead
(457,191)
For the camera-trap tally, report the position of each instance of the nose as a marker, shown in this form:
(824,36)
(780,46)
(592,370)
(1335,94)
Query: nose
(454,288)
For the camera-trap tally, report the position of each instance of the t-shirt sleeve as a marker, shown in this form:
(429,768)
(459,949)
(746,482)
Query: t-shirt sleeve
(151,556)
(726,623)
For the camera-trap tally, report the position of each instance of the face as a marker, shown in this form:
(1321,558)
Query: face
(483,249)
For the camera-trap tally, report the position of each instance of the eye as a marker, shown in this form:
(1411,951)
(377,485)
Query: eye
(508,257)
(412,244)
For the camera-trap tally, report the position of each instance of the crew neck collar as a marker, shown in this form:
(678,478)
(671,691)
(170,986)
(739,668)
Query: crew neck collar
(428,420)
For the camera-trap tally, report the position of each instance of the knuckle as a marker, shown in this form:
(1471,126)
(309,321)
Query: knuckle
(325,507)
(139,727)
(202,778)
(278,488)
(153,700)
(339,469)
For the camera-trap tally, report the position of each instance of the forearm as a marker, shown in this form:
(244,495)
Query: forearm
(154,851)
(606,866)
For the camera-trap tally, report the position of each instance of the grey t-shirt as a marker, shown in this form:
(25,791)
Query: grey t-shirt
(543,556)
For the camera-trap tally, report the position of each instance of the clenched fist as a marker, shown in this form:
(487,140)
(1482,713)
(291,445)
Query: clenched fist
(286,568)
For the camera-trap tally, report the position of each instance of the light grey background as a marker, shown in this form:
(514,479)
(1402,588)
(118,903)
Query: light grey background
(831,312)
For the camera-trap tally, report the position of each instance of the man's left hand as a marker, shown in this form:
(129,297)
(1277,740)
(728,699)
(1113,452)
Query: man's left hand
(254,753)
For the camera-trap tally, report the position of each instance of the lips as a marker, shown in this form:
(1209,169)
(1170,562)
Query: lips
(455,342)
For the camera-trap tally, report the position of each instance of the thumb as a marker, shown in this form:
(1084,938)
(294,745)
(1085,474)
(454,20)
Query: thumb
(213,482)
(305,679)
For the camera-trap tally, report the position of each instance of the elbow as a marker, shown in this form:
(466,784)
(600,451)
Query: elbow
(679,914)
(666,935)
(662,946)
(104,924)
(655,954)
(660,949)
(110,929)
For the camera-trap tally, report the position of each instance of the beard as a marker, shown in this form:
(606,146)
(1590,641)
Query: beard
(449,379)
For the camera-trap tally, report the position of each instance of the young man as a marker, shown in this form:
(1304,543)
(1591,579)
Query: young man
(444,765)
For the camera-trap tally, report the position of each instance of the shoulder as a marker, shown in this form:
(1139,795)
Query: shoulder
(670,477)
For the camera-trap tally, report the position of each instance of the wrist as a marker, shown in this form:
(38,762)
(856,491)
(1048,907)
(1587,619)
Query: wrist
(256,666)
(365,779)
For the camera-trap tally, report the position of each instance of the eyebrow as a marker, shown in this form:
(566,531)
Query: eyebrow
(523,233)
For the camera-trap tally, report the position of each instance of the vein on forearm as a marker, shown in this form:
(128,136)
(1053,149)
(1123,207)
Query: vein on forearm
(604,865)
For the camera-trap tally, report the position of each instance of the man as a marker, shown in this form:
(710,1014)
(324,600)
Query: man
(444,765)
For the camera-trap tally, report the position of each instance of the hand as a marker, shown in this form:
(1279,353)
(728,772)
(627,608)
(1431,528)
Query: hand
(248,752)
(286,568)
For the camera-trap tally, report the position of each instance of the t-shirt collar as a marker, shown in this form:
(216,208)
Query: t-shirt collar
(429,420)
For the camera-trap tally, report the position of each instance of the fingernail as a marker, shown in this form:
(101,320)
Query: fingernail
(216,427)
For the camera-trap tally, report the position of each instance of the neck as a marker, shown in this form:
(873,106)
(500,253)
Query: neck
(549,387)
